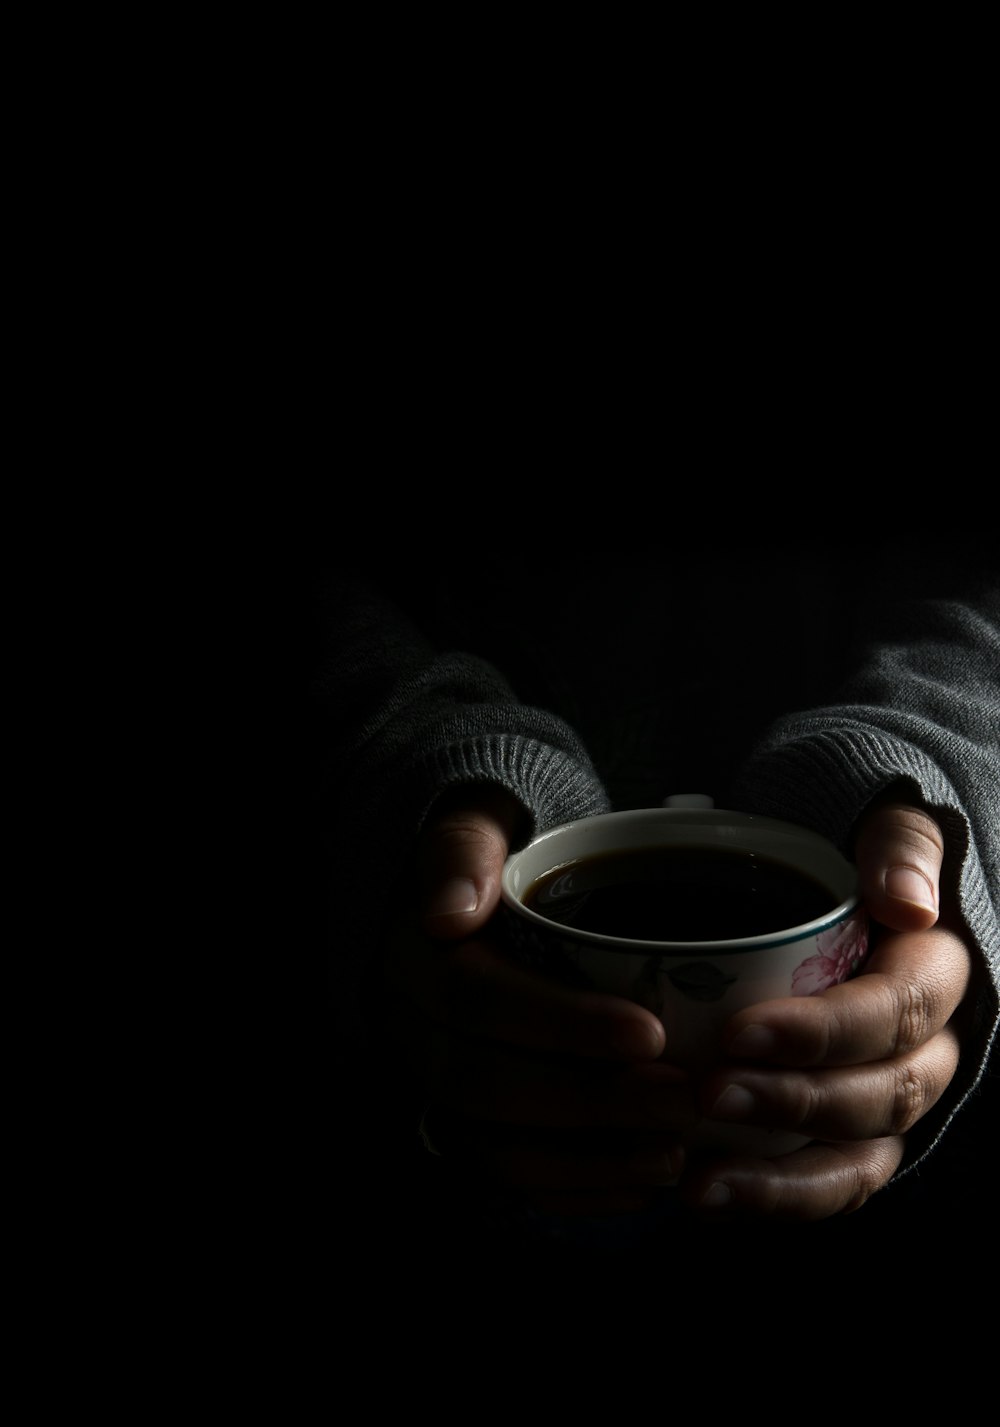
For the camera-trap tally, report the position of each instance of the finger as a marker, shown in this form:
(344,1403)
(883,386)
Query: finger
(477,989)
(611,1171)
(461,854)
(811,1183)
(909,990)
(490,1083)
(849,1103)
(899,851)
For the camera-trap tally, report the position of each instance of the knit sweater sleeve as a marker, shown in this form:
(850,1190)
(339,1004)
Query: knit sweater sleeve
(397,722)
(394,722)
(921,715)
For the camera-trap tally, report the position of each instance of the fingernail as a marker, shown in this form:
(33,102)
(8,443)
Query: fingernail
(717,1196)
(753,1041)
(735,1103)
(906,884)
(452,898)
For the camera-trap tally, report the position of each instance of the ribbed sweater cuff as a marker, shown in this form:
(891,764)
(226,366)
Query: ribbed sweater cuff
(553,787)
(824,778)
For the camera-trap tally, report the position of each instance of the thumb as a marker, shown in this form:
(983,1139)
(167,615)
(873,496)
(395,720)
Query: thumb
(461,855)
(899,850)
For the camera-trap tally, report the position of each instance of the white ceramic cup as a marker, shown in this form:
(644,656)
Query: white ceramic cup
(693,986)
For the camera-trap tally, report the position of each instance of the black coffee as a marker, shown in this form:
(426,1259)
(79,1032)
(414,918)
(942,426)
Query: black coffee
(679,894)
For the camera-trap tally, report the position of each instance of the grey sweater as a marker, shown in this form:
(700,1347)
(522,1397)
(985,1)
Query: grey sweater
(783,684)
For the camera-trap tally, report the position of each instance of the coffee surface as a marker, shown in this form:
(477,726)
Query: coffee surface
(679,894)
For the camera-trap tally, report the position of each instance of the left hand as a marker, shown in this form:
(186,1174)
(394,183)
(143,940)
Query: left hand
(857,1066)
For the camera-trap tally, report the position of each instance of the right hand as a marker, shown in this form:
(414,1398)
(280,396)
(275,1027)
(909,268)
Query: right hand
(555,1093)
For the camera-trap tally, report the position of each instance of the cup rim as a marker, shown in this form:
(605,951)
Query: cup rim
(694,816)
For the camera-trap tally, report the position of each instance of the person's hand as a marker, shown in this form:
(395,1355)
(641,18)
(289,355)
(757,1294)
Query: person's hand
(857,1066)
(556,1094)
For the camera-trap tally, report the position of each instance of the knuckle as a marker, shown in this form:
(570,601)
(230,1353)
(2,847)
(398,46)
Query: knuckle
(863,1178)
(926,838)
(860,1186)
(806,1100)
(914,1016)
(919,1083)
(911,1098)
(463,833)
(918,832)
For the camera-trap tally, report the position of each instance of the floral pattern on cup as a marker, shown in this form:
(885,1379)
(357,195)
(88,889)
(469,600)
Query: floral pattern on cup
(840,953)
